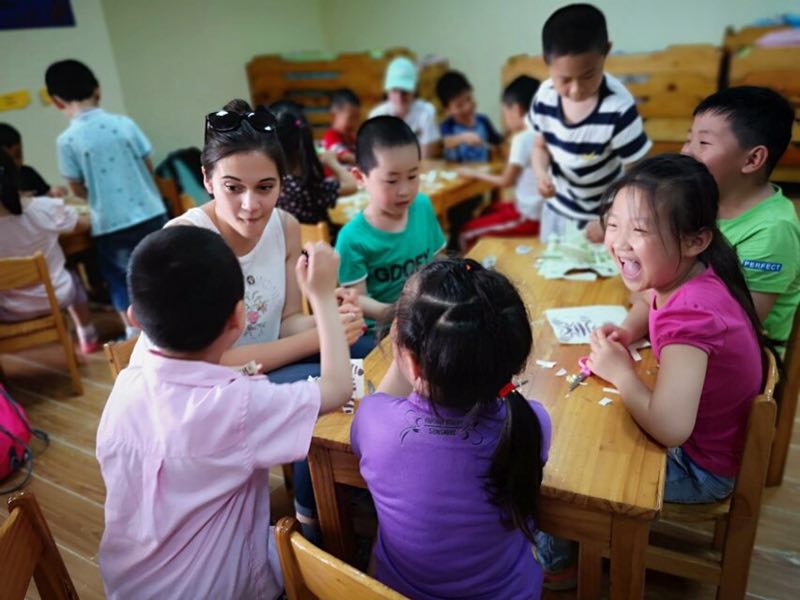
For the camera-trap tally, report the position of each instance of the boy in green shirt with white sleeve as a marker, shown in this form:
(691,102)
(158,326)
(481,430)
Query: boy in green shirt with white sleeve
(398,231)
(740,134)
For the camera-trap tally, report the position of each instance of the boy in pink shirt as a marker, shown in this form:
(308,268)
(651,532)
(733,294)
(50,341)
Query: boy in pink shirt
(185,444)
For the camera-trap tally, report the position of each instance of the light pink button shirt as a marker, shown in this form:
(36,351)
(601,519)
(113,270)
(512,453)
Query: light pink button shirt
(185,448)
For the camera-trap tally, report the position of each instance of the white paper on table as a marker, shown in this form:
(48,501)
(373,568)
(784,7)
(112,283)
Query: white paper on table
(575,325)
(357,367)
(573,252)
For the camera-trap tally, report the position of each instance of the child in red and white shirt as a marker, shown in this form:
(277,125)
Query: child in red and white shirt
(341,137)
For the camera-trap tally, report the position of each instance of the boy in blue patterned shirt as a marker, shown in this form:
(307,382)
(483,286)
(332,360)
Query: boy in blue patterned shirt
(105,159)
(588,125)
(468,136)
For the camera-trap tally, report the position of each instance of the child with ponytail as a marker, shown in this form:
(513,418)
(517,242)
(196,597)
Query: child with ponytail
(452,453)
(307,192)
(661,229)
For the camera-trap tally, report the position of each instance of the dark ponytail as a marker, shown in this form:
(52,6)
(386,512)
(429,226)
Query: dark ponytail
(682,190)
(294,133)
(469,331)
(9,184)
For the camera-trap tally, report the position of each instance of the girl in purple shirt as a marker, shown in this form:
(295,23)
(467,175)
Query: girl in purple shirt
(660,227)
(455,466)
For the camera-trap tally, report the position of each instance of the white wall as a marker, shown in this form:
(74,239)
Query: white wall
(24,56)
(479,35)
(181,59)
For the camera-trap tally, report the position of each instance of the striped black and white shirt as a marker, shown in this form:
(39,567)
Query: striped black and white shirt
(587,157)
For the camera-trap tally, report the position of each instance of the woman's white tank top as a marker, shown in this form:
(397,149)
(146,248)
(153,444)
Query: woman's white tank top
(264,269)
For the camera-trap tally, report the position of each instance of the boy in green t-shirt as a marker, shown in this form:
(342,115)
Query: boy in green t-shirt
(740,134)
(397,232)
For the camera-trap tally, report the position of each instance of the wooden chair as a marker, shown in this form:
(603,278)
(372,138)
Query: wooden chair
(786,396)
(27,550)
(310,573)
(313,233)
(735,518)
(178,203)
(17,273)
(118,355)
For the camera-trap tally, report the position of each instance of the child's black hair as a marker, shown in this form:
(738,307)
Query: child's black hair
(9,136)
(70,80)
(521,92)
(758,116)
(380,133)
(574,29)
(468,329)
(681,190)
(243,139)
(184,283)
(297,141)
(9,184)
(344,97)
(451,85)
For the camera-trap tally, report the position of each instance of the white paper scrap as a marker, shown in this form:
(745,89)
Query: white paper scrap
(575,325)
(605,401)
(561,372)
(489,261)
(523,249)
(609,390)
(588,276)
(546,364)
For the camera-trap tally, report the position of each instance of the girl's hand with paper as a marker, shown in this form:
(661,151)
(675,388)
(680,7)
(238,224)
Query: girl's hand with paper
(610,359)
(614,333)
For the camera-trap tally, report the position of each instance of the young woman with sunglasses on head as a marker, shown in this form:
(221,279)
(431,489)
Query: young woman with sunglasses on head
(243,166)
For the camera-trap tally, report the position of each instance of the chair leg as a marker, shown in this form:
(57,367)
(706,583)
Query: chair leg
(72,363)
(720,529)
(590,571)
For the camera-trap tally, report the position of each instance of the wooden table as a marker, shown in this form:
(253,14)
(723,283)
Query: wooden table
(75,243)
(604,481)
(444,193)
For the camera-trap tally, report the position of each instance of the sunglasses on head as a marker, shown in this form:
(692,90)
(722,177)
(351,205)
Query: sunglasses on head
(223,120)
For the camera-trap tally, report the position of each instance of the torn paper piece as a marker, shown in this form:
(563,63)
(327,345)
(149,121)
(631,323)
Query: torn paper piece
(575,325)
(357,367)
(609,390)
(251,368)
(546,364)
(561,372)
(605,401)
(523,249)
(489,262)
(634,353)
(581,276)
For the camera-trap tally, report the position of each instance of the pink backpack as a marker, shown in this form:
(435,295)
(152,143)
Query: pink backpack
(15,433)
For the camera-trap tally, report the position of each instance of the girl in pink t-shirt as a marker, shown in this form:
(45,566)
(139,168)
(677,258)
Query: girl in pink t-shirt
(660,228)
(34,226)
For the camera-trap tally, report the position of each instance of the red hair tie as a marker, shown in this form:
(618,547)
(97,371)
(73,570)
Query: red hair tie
(507,389)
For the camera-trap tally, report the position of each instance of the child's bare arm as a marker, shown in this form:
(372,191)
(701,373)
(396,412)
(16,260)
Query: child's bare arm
(540,162)
(373,309)
(83,224)
(317,274)
(78,188)
(507,178)
(468,138)
(347,183)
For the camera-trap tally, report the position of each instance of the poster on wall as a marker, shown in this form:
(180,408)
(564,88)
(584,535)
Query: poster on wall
(28,14)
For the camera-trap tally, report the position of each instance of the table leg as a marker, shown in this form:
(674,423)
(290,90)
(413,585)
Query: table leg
(629,539)
(337,532)
(590,571)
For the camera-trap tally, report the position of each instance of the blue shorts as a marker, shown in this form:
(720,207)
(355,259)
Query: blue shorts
(688,483)
(114,253)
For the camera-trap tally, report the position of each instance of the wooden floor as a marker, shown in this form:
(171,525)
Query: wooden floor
(68,485)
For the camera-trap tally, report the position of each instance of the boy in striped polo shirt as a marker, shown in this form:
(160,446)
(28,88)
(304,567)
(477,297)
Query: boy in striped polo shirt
(587,122)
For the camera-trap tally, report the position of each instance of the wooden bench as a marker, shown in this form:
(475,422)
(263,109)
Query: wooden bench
(311,79)
(667,84)
(775,68)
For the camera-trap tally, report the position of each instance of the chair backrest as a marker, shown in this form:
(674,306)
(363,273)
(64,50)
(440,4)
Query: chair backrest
(27,550)
(118,354)
(309,572)
(315,233)
(16,273)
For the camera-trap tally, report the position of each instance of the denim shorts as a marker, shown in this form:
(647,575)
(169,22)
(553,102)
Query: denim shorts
(688,483)
(114,253)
